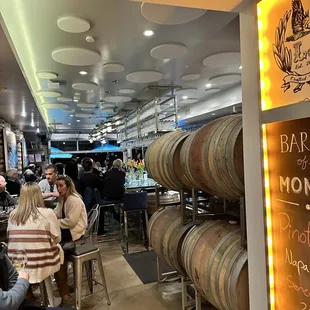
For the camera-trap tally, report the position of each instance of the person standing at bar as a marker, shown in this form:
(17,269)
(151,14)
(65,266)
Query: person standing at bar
(48,187)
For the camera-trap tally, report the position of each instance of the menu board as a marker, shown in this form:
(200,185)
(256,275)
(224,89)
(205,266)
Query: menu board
(289,179)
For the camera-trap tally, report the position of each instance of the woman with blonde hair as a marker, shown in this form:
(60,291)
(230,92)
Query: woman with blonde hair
(34,231)
(72,216)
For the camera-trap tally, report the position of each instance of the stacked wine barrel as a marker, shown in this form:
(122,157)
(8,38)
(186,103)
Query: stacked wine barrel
(210,254)
(164,199)
(210,159)
(2,158)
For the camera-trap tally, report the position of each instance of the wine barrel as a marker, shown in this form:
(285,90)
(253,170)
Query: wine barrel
(213,258)
(212,158)
(164,199)
(166,233)
(162,161)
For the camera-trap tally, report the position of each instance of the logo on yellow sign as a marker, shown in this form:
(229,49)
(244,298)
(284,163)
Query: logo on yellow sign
(293,60)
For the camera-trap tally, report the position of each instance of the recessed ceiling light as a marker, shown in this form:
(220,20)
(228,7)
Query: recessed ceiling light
(83,72)
(69,124)
(38,130)
(185,97)
(76,100)
(63,142)
(148,33)
(32,124)
(23,114)
(240,67)
(78,120)
(208,85)
(171,103)
(71,115)
(213,114)
(77,94)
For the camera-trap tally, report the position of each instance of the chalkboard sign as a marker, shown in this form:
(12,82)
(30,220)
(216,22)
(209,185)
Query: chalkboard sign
(289,176)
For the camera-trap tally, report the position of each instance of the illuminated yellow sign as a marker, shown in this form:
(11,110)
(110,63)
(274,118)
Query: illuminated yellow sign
(284,43)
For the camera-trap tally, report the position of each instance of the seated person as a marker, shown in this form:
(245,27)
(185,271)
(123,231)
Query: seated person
(114,181)
(35,229)
(48,187)
(90,180)
(71,213)
(13,285)
(12,183)
(38,173)
(6,200)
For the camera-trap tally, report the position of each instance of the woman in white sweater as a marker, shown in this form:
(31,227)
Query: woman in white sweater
(72,217)
(34,230)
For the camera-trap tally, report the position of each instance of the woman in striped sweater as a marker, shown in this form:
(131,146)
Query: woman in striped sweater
(35,230)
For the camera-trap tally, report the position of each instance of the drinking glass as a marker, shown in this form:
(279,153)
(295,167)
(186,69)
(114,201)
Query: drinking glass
(19,259)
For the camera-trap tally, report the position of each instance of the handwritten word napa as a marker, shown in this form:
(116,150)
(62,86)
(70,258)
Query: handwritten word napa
(299,265)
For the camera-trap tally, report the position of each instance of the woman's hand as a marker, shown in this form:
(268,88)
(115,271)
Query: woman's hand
(24,275)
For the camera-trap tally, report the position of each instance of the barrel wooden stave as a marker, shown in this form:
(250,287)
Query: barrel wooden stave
(163,161)
(166,234)
(164,199)
(214,259)
(212,158)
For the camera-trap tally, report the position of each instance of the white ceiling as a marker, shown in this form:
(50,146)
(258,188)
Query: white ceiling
(117,27)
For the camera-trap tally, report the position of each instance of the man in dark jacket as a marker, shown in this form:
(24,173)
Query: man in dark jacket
(114,182)
(6,200)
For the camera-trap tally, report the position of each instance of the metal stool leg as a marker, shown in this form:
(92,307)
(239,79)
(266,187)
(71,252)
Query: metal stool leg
(147,239)
(43,294)
(126,230)
(77,265)
(104,284)
(49,291)
(89,275)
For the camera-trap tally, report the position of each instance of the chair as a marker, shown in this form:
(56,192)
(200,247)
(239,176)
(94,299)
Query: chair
(85,253)
(134,202)
(47,294)
(105,204)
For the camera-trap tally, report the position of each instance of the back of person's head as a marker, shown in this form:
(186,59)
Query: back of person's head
(87,164)
(72,169)
(32,167)
(117,163)
(29,201)
(59,168)
(12,173)
(29,176)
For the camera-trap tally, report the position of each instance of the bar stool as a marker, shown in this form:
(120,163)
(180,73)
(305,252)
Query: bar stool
(86,254)
(46,290)
(134,202)
(104,204)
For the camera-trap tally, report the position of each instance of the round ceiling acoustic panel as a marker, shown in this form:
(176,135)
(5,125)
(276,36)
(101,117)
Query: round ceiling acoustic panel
(225,79)
(48,93)
(86,105)
(76,56)
(210,91)
(64,99)
(126,91)
(168,51)
(169,15)
(113,67)
(46,75)
(186,91)
(222,60)
(117,99)
(144,76)
(188,100)
(84,115)
(190,77)
(85,86)
(55,105)
(73,24)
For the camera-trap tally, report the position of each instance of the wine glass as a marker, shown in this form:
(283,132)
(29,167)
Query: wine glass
(19,259)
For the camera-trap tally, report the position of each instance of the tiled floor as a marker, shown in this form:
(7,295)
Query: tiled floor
(126,290)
